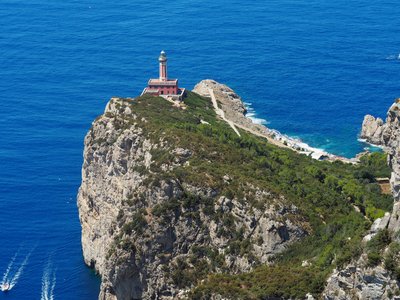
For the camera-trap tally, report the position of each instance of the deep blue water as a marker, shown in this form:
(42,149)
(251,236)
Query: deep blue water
(312,69)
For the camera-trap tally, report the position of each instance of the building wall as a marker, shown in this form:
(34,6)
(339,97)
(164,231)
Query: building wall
(166,90)
(163,71)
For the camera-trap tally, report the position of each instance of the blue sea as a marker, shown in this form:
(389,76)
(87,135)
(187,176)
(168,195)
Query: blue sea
(310,69)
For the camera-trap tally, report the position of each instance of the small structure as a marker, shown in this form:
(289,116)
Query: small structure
(162,86)
(384,184)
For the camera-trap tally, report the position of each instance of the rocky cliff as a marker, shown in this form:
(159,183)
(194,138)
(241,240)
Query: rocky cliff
(362,279)
(174,204)
(388,135)
(155,213)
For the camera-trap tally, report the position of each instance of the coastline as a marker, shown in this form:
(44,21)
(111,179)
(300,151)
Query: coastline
(237,111)
(371,144)
(292,142)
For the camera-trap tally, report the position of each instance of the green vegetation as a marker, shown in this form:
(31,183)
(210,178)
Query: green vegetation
(137,224)
(327,195)
(392,259)
(375,247)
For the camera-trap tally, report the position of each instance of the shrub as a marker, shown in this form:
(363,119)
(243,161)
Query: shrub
(374,258)
(379,241)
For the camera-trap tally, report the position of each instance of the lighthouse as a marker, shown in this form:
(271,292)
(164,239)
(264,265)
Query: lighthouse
(163,66)
(163,86)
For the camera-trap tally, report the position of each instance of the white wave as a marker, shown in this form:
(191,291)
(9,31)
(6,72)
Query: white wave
(298,144)
(48,282)
(258,121)
(9,267)
(292,142)
(18,274)
(372,145)
(251,114)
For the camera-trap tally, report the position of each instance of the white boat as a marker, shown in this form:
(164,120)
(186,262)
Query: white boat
(5,287)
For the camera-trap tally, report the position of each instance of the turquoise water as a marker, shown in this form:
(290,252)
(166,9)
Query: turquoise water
(311,69)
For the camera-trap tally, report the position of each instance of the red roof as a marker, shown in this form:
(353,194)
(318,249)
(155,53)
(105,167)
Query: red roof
(169,82)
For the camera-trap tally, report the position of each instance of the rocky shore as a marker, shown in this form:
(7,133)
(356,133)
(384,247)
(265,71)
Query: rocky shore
(235,111)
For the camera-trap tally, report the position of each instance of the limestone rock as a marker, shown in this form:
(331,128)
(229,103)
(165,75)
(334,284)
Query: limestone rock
(231,103)
(372,129)
(136,236)
(357,280)
(388,136)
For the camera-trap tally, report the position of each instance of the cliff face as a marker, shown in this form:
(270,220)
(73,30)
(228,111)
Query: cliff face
(388,135)
(156,215)
(360,280)
(174,204)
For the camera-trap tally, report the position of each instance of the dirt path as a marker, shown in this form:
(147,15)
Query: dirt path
(269,138)
(220,112)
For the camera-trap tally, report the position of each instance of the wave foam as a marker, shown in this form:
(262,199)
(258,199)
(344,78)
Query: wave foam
(251,114)
(48,282)
(6,280)
(18,274)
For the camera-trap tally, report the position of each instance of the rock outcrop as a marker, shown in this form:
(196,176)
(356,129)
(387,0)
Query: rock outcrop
(387,135)
(357,281)
(232,105)
(147,232)
(372,129)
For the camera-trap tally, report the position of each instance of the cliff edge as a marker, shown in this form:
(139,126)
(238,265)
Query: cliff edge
(387,135)
(376,273)
(174,204)
(160,204)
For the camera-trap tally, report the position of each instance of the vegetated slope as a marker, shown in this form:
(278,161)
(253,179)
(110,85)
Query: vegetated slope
(167,200)
(375,274)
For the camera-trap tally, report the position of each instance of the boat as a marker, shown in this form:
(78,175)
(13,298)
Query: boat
(5,287)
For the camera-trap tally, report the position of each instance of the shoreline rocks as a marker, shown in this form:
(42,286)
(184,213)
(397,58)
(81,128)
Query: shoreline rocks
(372,130)
(235,111)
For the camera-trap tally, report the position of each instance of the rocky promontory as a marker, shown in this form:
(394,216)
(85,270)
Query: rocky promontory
(144,223)
(174,204)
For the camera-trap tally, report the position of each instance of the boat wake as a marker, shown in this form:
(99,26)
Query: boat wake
(6,274)
(393,57)
(48,282)
(14,271)
(18,273)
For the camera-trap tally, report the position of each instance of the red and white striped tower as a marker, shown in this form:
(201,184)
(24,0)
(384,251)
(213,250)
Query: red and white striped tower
(163,66)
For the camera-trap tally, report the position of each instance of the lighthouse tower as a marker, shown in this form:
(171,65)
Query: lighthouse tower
(162,86)
(163,66)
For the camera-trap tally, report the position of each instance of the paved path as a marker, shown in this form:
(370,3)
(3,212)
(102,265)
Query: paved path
(220,112)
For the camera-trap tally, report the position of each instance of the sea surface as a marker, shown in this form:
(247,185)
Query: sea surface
(310,69)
